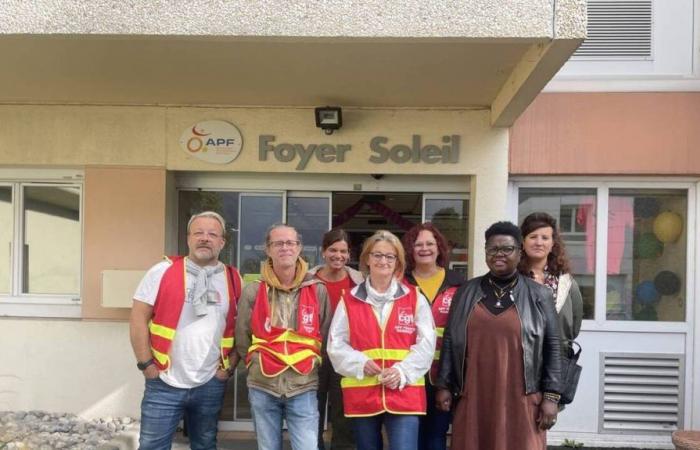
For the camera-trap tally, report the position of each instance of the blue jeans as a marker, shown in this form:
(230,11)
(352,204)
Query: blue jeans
(163,406)
(434,425)
(402,431)
(301,412)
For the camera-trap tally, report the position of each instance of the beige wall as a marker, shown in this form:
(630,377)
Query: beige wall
(608,133)
(81,135)
(87,368)
(124,223)
(126,152)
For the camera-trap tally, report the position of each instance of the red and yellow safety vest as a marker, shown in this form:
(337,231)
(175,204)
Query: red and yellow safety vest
(282,348)
(440,309)
(168,307)
(386,346)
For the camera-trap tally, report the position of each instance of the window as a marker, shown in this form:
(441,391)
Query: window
(636,270)
(40,243)
(6,238)
(646,255)
(574,210)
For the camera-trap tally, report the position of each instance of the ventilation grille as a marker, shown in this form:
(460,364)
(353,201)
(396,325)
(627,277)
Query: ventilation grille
(641,392)
(617,29)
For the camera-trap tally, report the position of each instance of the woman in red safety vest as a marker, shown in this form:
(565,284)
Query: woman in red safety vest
(382,341)
(427,259)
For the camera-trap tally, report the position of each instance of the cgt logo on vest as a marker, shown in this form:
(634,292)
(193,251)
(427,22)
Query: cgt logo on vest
(406,322)
(307,318)
(444,306)
(213,141)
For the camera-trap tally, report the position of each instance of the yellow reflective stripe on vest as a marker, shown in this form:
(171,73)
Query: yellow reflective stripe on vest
(354,382)
(161,330)
(162,358)
(436,357)
(386,353)
(289,359)
(440,331)
(348,382)
(226,342)
(290,337)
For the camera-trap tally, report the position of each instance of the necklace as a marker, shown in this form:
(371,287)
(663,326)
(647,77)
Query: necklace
(500,292)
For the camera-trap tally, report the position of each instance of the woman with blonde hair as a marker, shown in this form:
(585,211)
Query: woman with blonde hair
(382,341)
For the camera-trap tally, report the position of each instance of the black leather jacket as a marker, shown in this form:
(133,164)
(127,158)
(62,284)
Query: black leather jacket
(540,336)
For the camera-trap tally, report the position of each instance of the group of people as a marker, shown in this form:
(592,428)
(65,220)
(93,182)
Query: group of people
(404,344)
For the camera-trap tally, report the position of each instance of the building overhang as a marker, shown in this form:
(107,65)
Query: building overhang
(480,55)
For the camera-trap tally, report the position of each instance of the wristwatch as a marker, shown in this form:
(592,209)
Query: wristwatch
(144,365)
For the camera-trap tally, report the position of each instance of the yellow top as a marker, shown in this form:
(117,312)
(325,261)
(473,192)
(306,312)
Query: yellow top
(430,285)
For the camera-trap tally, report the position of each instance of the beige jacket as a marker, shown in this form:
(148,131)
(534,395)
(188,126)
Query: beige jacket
(283,305)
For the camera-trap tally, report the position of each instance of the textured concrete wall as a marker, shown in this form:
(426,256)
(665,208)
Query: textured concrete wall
(81,367)
(78,136)
(277,18)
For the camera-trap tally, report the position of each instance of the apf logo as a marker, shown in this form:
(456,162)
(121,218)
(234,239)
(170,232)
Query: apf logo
(214,141)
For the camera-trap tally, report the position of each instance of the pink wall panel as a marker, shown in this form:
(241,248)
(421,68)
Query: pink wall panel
(124,228)
(608,133)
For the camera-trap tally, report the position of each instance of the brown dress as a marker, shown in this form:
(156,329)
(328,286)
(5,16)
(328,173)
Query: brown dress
(494,413)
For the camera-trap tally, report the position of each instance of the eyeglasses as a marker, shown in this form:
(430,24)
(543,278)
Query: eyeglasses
(280,244)
(379,256)
(506,250)
(202,234)
(425,244)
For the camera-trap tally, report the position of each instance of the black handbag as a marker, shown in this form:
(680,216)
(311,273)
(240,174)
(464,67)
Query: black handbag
(570,373)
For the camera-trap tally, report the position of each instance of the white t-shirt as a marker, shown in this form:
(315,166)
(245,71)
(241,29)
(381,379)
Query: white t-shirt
(195,350)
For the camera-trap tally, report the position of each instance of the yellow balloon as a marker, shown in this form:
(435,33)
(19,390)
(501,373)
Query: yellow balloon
(668,226)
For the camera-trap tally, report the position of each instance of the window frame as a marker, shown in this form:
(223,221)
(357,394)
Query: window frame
(603,185)
(16,302)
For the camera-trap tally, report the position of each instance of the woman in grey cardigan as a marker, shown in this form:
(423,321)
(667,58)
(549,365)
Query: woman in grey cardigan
(544,259)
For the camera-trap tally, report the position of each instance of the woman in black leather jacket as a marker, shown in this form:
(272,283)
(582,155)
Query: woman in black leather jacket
(500,354)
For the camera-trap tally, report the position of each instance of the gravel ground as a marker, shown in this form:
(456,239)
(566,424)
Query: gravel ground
(45,431)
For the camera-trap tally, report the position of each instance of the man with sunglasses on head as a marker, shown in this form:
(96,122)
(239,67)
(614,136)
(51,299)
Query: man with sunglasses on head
(283,320)
(181,329)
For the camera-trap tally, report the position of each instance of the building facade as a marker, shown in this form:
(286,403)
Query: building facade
(118,122)
(610,149)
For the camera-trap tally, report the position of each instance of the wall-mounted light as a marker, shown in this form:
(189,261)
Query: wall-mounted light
(329,118)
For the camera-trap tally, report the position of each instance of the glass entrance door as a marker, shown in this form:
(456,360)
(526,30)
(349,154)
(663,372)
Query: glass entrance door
(310,214)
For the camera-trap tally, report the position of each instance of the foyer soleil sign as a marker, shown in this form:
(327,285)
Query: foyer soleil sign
(220,142)
(381,151)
